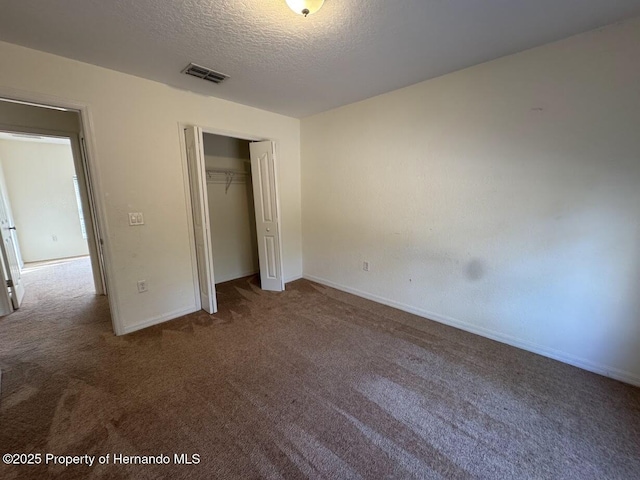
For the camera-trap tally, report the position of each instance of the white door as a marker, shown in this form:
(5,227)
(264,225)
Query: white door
(200,208)
(6,306)
(10,258)
(265,195)
(90,214)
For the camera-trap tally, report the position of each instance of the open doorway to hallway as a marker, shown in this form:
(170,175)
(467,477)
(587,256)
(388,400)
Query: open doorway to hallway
(51,250)
(41,212)
(41,195)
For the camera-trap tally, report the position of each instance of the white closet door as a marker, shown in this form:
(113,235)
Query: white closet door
(200,209)
(11,266)
(265,195)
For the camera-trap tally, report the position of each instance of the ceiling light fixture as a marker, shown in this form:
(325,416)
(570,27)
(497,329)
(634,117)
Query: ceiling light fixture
(305,7)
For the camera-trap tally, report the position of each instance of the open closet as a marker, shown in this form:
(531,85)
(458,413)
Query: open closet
(235,210)
(231,208)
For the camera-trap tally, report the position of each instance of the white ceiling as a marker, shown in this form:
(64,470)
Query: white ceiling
(279,61)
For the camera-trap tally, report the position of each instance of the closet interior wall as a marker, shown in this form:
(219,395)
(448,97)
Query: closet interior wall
(231,207)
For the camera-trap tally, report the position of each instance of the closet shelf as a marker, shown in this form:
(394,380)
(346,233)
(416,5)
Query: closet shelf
(226,177)
(223,176)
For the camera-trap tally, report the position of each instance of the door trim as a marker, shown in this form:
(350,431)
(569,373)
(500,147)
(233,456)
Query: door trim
(202,234)
(92,176)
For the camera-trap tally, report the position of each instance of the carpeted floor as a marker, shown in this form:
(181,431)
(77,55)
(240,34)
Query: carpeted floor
(309,383)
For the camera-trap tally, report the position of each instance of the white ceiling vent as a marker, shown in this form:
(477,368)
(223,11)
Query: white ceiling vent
(204,73)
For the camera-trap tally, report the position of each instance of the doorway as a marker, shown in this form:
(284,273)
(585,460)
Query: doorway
(231,207)
(235,210)
(40,205)
(46,198)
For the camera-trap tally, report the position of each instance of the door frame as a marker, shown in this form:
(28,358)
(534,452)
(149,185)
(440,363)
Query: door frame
(251,137)
(9,254)
(76,145)
(91,172)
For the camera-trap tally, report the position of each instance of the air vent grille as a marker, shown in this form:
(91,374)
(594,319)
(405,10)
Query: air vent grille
(205,73)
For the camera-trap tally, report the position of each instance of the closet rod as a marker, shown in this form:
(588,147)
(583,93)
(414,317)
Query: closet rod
(221,171)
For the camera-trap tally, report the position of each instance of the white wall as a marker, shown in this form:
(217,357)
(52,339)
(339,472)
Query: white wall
(140,169)
(39,183)
(231,211)
(503,199)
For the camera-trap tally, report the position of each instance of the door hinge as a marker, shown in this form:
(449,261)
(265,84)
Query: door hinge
(10,283)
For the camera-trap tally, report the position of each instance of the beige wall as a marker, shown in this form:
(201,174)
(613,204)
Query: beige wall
(139,165)
(231,211)
(39,182)
(503,199)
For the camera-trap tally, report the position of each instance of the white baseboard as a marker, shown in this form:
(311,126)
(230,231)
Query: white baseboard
(582,363)
(179,313)
(286,280)
(293,278)
(235,277)
(159,319)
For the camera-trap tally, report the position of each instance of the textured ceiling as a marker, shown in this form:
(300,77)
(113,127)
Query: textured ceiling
(279,61)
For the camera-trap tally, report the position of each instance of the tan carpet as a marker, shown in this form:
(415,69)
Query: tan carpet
(310,383)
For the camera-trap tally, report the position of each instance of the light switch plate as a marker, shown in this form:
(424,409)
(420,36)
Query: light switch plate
(136,218)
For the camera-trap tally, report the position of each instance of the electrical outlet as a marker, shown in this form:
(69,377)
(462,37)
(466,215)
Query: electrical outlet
(142,286)
(136,218)
(54,238)
(365,266)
